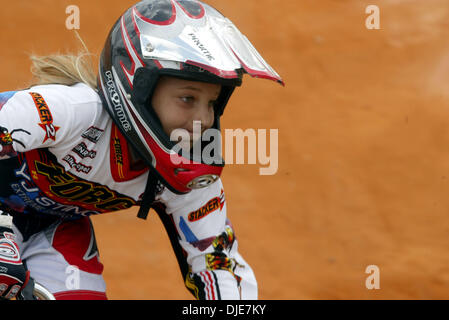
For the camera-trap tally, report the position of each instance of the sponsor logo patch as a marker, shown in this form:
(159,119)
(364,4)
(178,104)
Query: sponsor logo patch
(92,134)
(115,99)
(45,117)
(76,165)
(212,205)
(82,151)
(68,193)
(6,141)
(118,151)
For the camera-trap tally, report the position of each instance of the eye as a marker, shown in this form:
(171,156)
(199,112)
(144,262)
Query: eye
(187,99)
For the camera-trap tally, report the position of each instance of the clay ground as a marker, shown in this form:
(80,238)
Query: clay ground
(363,173)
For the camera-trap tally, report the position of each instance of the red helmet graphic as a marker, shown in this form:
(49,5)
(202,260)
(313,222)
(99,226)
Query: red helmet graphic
(186,39)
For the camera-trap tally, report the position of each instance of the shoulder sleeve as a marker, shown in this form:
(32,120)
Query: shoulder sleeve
(39,117)
(215,269)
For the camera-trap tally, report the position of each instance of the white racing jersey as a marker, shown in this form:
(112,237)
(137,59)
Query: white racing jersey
(61,154)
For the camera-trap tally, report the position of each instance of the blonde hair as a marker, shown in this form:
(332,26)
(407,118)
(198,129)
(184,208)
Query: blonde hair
(67,69)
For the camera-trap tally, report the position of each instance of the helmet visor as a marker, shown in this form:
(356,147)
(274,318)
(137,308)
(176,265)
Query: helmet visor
(213,43)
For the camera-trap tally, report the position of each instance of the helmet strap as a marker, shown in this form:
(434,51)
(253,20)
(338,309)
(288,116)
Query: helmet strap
(149,195)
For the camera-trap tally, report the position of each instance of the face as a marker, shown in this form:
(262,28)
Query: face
(178,103)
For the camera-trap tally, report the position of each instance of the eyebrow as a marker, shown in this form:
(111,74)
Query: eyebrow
(191,88)
(196,89)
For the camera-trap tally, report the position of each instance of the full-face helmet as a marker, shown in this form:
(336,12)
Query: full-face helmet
(187,39)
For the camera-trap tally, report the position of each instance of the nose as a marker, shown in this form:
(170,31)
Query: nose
(205,114)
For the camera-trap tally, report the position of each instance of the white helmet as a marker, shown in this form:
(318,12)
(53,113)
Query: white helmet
(187,39)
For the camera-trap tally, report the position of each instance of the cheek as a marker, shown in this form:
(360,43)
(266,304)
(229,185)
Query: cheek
(171,118)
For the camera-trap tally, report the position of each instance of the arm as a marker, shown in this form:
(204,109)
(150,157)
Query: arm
(205,245)
(26,122)
(42,117)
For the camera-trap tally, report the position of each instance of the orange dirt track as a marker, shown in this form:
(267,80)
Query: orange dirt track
(363,173)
